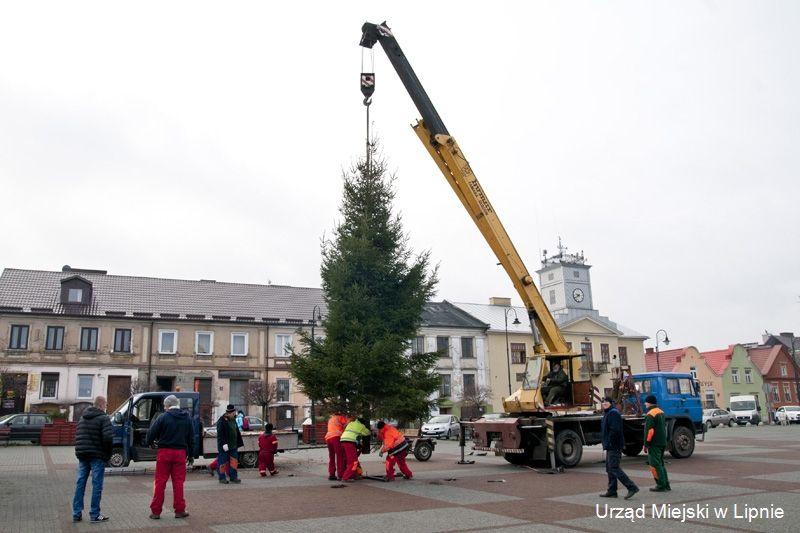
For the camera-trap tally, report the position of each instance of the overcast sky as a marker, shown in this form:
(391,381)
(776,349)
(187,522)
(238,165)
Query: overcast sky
(193,140)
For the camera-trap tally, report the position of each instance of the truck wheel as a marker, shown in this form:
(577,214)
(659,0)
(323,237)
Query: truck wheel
(117,459)
(569,448)
(423,451)
(633,449)
(682,445)
(248,459)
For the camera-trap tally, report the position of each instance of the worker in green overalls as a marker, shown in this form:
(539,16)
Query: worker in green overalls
(655,431)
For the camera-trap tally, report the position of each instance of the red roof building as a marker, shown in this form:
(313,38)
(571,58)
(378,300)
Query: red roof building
(779,372)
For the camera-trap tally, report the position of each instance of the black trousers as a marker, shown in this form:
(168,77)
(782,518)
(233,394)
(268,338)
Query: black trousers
(615,472)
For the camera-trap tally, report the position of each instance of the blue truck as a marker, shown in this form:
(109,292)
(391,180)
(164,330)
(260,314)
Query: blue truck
(133,418)
(523,438)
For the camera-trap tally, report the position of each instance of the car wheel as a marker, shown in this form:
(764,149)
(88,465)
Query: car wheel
(707,427)
(447,436)
(730,423)
(117,459)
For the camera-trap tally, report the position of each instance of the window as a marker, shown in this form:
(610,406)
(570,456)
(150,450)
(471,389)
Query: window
(550,276)
(444,385)
(49,385)
(605,354)
(55,338)
(418,345)
(520,377)
(775,395)
(686,386)
(141,411)
(19,338)
(443,346)
(167,341)
(283,344)
(710,398)
(38,420)
(88,339)
(735,375)
(204,342)
(518,355)
(469,383)
(569,346)
(239,344)
(623,355)
(75,296)
(552,297)
(586,349)
(122,340)
(673,386)
(644,386)
(693,372)
(576,274)
(467,345)
(282,394)
(784,372)
(748,378)
(85,385)
(787,392)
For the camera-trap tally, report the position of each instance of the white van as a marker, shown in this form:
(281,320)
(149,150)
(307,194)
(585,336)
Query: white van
(745,409)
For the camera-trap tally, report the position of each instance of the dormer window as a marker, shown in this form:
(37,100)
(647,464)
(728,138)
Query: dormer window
(75,296)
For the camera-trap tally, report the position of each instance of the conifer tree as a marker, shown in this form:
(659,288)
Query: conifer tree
(375,289)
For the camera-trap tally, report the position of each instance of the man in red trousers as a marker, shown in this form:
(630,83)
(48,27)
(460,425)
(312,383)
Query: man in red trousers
(172,432)
(336,457)
(396,448)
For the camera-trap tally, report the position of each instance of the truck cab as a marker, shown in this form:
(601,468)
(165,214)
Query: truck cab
(133,419)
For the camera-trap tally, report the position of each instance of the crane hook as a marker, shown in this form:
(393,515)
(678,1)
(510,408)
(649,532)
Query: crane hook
(368,101)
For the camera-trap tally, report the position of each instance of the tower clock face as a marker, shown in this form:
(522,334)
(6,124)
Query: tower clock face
(577,295)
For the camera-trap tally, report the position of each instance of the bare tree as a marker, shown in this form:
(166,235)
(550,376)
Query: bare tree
(473,400)
(138,385)
(261,394)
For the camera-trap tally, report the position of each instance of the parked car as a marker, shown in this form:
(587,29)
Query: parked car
(792,414)
(717,417)
(439,426)
(25,426)
(256,424)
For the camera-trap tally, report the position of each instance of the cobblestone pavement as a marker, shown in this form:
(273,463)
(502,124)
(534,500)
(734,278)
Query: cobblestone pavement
(735,470)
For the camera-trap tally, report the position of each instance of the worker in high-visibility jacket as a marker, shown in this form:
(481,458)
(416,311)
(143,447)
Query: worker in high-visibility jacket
(395,446)
(655,441)
(352,434)
(336,457)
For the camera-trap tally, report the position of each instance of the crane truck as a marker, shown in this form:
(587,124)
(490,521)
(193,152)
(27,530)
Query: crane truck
(531,430)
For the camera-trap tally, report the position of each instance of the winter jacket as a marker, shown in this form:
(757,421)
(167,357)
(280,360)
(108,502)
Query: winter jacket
(267,442)
(354,431)
(655,428)
(224,435)
(336,425)
(94,436)
(172,430)
(611,428)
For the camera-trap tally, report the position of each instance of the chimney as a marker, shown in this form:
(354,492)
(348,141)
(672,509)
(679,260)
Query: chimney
(649,350)
(498,300)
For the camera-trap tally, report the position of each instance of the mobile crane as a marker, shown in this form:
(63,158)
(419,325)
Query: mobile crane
(532,431)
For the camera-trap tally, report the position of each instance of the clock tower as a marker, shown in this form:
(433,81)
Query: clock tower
(564,281)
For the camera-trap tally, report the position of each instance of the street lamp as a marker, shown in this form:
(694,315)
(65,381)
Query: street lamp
(316,316)
(508,353)
(666,341)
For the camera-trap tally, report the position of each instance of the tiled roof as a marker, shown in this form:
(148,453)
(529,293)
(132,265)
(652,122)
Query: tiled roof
(667,360)
(718,360)
(160,298)
(494,316)
(445,314)
(764,357)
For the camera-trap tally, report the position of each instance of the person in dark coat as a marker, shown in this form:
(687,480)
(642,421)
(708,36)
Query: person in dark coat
(555,384)
(229,440)
(174,435)
(613,444)
(93,441)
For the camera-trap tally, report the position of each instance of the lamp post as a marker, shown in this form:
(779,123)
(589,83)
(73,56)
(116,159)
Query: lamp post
(316,315)
(508,352)
(666,341)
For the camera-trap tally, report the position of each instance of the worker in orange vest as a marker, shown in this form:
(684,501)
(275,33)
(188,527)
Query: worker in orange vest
(396,447)
(336,457)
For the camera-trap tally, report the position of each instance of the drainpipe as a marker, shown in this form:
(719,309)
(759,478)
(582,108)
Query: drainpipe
(150,357)
(265,408)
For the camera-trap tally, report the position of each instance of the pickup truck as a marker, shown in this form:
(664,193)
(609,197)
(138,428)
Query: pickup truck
(133,418)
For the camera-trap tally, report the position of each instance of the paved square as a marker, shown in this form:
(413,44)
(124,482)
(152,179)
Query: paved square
(758,467)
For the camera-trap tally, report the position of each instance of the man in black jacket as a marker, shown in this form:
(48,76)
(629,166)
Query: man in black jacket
(229,440)
(613,443)
(93,440)
(172,431)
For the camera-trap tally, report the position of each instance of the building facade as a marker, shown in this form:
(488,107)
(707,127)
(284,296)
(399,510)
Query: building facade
(779,371)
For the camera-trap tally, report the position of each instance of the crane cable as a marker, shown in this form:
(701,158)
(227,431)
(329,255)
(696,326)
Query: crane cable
(367,89)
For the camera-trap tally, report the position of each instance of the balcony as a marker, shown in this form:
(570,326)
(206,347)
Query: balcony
(596,368)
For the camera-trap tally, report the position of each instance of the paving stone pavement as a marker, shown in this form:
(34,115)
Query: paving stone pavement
(754,466)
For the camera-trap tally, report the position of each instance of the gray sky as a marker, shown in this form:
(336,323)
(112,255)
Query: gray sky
(196,140)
